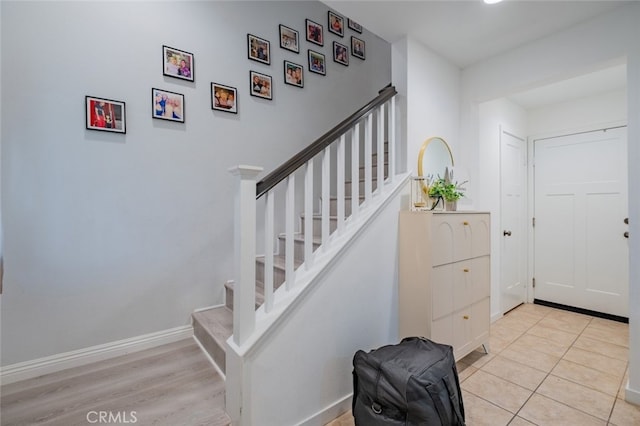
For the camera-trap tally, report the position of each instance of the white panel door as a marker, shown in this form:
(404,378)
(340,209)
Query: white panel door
(581,253)
(513,271)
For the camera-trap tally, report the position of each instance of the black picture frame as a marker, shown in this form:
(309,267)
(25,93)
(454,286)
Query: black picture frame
(335,24)
(317,62)
(340,53)
(260,85)
(105,115)
(314,32)
(166,105)
(289,39)
(178,63)
(357,47)
(224,98)
(293,74)
(353,25)
(258,49)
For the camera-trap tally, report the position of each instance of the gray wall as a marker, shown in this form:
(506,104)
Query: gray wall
(111,236)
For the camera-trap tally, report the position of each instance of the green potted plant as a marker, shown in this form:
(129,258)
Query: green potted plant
(446,191)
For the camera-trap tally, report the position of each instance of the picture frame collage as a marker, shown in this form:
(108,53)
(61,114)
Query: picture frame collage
(109,115)
(259,50)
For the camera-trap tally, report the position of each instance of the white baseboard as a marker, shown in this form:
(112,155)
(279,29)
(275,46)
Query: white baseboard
(495,317)
(54,363)
(329,413)
(632,396)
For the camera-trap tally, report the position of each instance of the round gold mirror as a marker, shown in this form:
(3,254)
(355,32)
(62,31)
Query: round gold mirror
(434,161)
(434,157)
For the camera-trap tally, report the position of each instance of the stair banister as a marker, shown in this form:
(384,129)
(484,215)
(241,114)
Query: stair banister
(298,160)
(248,192)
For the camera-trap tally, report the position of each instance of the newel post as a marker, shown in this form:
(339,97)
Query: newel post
(244,291)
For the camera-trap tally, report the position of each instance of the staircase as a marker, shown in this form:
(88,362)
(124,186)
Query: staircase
(212,327)
(320,218)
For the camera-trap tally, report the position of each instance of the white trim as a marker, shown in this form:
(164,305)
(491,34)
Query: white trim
(632,396)
(54,363)
(206,308)
(287,300)
(329,413)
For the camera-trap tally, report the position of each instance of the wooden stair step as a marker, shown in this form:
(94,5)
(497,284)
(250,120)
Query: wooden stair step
(298,245)
(212,328)
(228,288)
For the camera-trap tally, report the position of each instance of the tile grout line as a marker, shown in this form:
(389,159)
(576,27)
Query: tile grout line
(549,373)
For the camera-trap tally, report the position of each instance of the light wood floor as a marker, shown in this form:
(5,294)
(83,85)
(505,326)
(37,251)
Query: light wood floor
(173,384)
(546,367)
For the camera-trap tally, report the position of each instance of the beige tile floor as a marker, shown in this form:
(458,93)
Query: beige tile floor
(546,367)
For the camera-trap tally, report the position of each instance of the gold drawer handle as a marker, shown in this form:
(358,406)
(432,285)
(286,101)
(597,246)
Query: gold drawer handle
(466,269)
(466,317)
(465,223)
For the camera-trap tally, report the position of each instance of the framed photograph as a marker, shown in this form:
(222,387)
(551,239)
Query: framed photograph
(105,114)
(340,53)
(357,47)
(259,49)
(289,39)
(354,26)
(293,74)
(261,85)
(317,62)
(167,105)
(224,98)
(315,32)
(177,63)
(336,24)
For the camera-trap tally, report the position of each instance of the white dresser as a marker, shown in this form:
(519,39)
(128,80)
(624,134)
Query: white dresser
(444,278)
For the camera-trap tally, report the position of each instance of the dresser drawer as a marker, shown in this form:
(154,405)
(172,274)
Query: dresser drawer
(459,236)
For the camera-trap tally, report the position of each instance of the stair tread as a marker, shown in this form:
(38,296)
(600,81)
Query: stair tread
(259,290)
(218,322)
(318,215)
(219,417)
(278,261)
(298,236)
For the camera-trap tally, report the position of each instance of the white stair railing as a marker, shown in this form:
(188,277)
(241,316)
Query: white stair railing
(361,157)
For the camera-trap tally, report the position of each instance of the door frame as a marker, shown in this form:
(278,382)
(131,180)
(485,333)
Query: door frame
(531,189)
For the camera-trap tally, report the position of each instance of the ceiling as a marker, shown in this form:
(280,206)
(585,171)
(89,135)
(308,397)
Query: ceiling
(466,32)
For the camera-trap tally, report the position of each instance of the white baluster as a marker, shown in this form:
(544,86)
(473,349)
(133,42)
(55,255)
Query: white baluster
(289,230)
(244,292)
(308,213)
(380,149)
(392,140)
(340,183)
(269,238)
(355,170)
(368,136)
(326,188)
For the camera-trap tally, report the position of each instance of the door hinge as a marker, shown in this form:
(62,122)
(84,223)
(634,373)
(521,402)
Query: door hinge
(533,222)
(534,282)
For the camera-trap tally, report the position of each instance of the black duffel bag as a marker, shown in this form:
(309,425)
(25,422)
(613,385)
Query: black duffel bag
(412,383)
